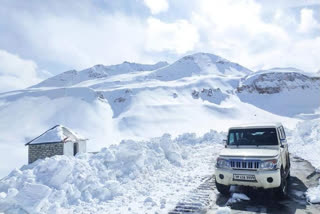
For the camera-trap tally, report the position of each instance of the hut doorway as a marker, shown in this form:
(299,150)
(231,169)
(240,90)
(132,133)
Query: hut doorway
(75,148)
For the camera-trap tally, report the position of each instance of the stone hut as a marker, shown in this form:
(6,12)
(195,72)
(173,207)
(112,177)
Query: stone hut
(58,140)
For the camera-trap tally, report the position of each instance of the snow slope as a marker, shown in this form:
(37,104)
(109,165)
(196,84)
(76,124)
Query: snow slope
(107,104)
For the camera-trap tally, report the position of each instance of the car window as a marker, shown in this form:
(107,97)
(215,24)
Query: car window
(253,136)
(231,138)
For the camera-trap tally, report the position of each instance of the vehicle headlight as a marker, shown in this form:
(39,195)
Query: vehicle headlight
(222,163)
(269,164)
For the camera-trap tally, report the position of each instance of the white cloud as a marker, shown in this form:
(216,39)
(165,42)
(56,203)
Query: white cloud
(178,37)
(239,31)
(157,6)
(236,30)
(16,73)
(307,22)
(80,43)
(250,32)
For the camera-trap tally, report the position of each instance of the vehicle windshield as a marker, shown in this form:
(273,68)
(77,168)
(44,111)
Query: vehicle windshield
(259,136)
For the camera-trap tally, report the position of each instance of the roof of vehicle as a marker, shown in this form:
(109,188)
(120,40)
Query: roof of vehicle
(257,125)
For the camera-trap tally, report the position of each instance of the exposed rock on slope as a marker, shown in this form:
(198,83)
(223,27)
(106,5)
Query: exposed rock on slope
(271,82)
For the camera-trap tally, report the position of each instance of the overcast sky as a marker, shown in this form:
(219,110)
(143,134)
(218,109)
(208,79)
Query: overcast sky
(40,38)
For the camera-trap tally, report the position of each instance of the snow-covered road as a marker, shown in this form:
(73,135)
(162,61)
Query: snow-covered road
(160,175)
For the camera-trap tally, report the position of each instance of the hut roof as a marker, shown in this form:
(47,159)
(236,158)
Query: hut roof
(56,134)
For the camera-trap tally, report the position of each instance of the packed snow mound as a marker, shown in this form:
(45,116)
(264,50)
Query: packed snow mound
(276,80)
(237,197)
(73,77)
(80,183)
(306,138)
(313,194)
(57,133)
(199,64)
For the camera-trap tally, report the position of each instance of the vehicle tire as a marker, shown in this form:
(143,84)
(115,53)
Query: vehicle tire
(289,166)
(282,190)
(223,189)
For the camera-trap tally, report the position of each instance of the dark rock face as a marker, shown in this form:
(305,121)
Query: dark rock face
(275,82)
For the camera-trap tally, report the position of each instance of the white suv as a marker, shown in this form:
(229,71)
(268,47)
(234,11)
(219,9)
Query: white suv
(256,156)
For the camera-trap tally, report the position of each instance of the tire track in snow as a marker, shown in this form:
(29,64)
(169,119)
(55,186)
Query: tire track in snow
(198,200)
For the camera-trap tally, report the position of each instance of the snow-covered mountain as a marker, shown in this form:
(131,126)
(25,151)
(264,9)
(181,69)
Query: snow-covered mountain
(73,77)
(200,64)
(194,94)
(283,91)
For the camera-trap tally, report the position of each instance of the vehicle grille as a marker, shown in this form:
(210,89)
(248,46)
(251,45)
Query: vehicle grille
(245,164)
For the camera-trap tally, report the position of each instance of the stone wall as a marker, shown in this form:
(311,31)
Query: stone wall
(41,151)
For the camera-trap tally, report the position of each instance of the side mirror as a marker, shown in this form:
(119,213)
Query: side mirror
(225,143)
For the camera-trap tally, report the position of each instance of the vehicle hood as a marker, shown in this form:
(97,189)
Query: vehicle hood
(249,152)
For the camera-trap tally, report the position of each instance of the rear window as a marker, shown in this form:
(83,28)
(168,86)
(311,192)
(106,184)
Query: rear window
(262,136)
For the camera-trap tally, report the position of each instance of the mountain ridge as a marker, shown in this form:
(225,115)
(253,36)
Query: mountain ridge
(71,77)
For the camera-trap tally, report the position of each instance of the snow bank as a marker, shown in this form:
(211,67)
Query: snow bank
(313,194)
(305,144)
(305,141)
(89,182)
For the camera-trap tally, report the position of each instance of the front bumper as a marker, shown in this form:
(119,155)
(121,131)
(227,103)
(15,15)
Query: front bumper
(260,175)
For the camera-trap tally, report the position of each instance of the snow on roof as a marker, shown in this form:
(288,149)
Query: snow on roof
(56,134)
(258,125)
